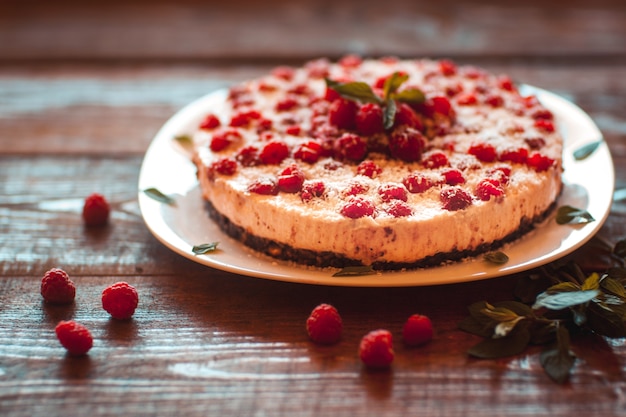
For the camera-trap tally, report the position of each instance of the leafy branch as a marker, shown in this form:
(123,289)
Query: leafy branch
(554,301)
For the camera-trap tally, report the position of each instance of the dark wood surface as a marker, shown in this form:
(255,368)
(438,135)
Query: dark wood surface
(84,87)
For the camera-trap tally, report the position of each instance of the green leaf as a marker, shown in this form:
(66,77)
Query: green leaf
(561,300)
(513,344)
(558,361)
(571,215)
(389,114)
(392,83)
(185,141)
(356,90)
(205,248)
(586,150)
(497,258)
(410,95)
(354,271)
(157,195)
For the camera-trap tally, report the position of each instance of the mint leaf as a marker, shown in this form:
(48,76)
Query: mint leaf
(558,361)
(205,248)
(561,300)
(157,195)
(573,215)
(498,258)
(410,95)
(392,83)
(586,150)
(354,271)
(356,91)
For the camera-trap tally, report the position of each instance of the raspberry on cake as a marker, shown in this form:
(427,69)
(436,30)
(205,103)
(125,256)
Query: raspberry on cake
(390,163)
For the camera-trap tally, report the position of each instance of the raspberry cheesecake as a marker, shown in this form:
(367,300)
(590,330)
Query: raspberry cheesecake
(383,162)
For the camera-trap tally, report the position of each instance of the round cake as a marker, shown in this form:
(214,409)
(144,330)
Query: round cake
(387,163)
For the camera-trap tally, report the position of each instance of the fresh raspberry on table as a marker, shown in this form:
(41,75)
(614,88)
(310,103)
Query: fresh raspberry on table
(324,325)
(120,300)
(57,287)
(376,349)
(96,210)
(74,337)
(417,330)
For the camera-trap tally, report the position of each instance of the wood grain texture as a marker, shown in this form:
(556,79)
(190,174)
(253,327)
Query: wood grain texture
(85,86)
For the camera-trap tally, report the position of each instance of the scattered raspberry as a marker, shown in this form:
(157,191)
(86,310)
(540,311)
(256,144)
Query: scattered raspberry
(417,330)
(57,287)
(483,151)
(350,146)
(391,191)
(248,156)
(244,118)
(437,105)
(369,119)
(494,100)
(286,104)
(293,130)
(355,188)
(535,143)
(351,61)
(406,116)
(211,121)
(264,186)
(539,162)
(376,349)
(342,113)
(407,144)
(290,179)
(324,325)
(542,114)
(284,72)
(357,207)
(273,153)
(454,198)
(453,176)
(519,155)
(435,159)
(368,168)
(308,152)
(398,208)
(505,83)
(488,188)
(96,210)
(120,300)
(311,190)
(467,99)
(224,166)
(447,67)
(545,125)
(74,337)
(417,183)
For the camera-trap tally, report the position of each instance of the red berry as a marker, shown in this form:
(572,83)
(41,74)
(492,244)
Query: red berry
(264,186)
(369,119)
(248,156)
(224,166)
(355,188)
(483,151)
(376,349)
(535,143)
(74,337)
(488,188)
(539,162)
(350,146)
(545,125)
(308,152)
(211,121)
(357,207)
(494,101)
(417,330)
(244,118)
(506,83)
(368,168)
(351,61)
(221,140)
(518,155)
(437,105)
(312,189)
(290,179)
(407,144)
(273,153)
(324,325)
(542,114)
(392,191)
(331,95)
(398,208)
(57,287)
(342,113)
(406,116)
(286,104)
(120,300)
(417,183)
(467,99)
(284,72)
(435,159)
(96,210)
(453,176)
(293,130)
(447,67)
(455,198)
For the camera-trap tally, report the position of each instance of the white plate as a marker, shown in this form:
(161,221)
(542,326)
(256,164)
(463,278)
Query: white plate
(588,185)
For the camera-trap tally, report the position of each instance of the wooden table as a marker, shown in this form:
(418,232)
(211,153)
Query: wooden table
(84,87)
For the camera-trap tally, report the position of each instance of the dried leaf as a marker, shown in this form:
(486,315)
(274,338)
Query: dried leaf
(559,360)
(354,271)
(498,258)
(513,344)
(205,248)
(157,195)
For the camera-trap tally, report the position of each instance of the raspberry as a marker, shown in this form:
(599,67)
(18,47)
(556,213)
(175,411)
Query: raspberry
(264,186)
(407,144)
(351,61)
(435,160)
(74,337)
(417,183)
(342,113)
(488,188)
(286,104)
(324,325)
(356,188)
(406,116)
(391,191)
(248,156)
(221,140)
(542,114)
(57,287)
(518,155)
(350,146)
(357,207)
(244,118)
(467,99)
(398,208)
(308,152)
(368,168)
(284,72)
(293,130)
(273,153)
(483,151)
(96,210)
(437,105)
(545,125)
(506,83)
(120,300)
(417,330)
(454,198)
(539,162)
(211,121)
(312,189)
(224,166)
(494,100)
(290,179)
(535,143)
(331,95)
(369,119)
(453,176)
(376,349)
(447,67)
